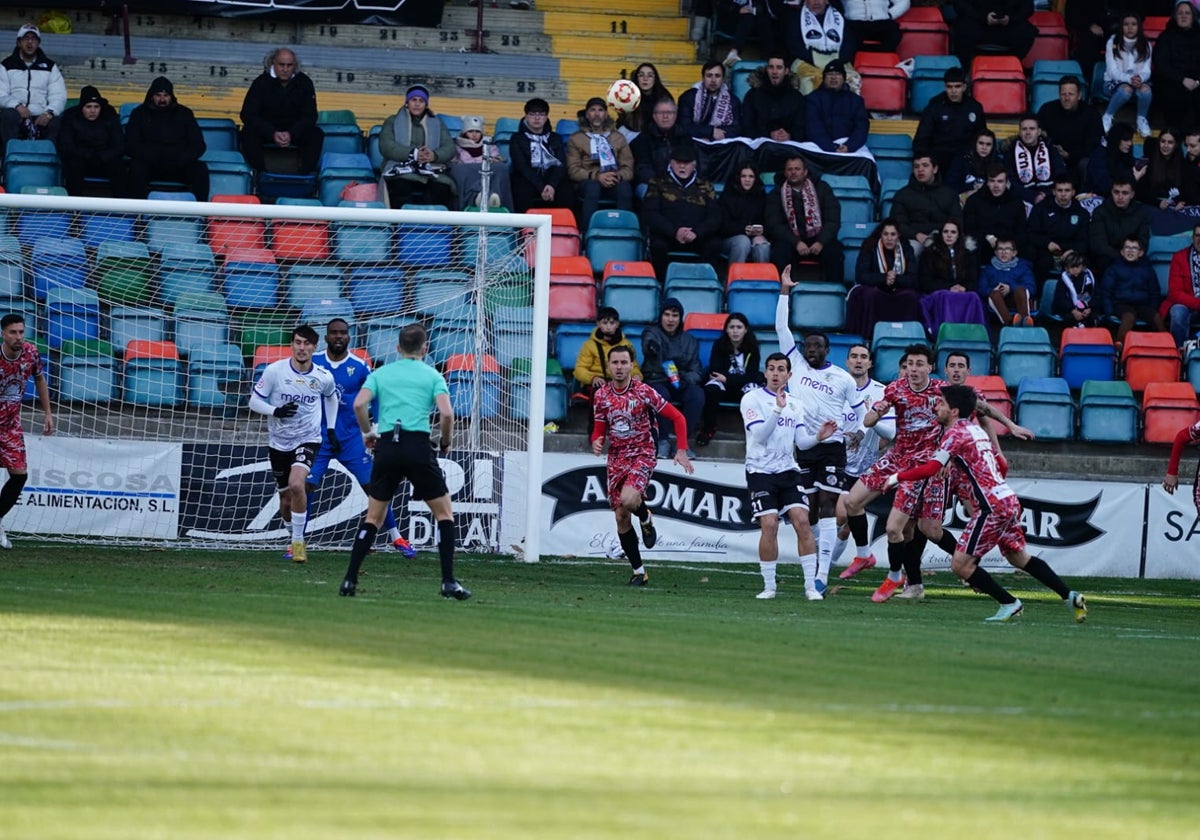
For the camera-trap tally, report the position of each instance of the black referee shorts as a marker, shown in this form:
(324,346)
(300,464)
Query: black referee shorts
(410,457)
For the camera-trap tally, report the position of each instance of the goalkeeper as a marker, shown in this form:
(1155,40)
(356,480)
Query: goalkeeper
(345,442)
(291,392)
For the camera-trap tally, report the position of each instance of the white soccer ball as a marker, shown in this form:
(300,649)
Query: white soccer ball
(624,95)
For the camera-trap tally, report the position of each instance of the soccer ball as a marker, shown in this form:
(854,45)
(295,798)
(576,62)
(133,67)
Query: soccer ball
(624,95)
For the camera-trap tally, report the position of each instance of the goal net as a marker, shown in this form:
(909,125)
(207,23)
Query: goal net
(154,318)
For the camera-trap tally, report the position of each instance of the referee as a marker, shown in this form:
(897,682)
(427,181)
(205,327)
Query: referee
(407,390)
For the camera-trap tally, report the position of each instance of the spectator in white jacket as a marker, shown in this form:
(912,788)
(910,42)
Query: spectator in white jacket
(872,24)
(33,94)
(1127,72)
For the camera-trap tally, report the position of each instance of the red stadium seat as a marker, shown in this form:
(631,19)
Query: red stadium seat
(1053,41)
(564,234)
(996,393)
(704,321)
(572,289)
(1150,357)
(923,32)
(294,239)
(884,85)
(751,271)
(466,362)
(1153,26)
(998,83)
(629,269)
(1167,408)
(225,234)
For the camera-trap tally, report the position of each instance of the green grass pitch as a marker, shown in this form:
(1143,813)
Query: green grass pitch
(180,694)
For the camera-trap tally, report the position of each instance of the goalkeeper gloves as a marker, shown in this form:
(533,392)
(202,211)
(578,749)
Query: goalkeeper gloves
(335,445)
(287,410)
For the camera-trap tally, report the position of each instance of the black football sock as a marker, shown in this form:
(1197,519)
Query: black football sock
(947,543)
(1040,570)
(446,548)
(643,512)
(896,556)
(858,528)
(914,548)
(985,583)
(629,543)
(11,492)
(363,540)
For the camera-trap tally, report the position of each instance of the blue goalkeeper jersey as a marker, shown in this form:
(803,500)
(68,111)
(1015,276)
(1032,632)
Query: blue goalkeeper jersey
(349,375)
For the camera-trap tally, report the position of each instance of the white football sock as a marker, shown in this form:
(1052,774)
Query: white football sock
(768,574)
(828,531)
(808,562)
(299,521)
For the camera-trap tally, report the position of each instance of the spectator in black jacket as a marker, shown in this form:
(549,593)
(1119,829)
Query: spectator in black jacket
(885,287)
(280,109)
(537,169)
(1057,226)
(652,147)
(993,213)
(774,106)
(969,171)
(1115,162)
(1120,216)
(743,206)
(1075,293)
(164,143)
(803,221)
(680,211)
(950,122)
(708,110)
(1073,129)
(920,207)
(1176,67)
(1090,23)
(1003,24)
(91,144)
(734,367)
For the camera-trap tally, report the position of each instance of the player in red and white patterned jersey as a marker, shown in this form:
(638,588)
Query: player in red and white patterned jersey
(1189,434)
(996,519)
(623,409)
(19,360)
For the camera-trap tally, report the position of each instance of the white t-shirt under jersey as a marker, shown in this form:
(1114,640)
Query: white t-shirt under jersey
(281,383)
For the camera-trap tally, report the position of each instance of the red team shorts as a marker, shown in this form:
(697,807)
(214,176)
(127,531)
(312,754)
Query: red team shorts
(12,450)
(1001,526)
(920,499)
(628,469)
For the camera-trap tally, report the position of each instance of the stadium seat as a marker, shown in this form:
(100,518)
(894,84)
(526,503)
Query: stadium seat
(260,329)
(311,282)
(998,83)
(923,32)
(95,229)
(557,391)
(1150,357)
(1168,407)
(424,245)
(996,393)
(152,374)
(893,158)
(135,323)
(186,269)
(86,372)
(739,77)
(632,289)
(342,134)
(162,230)
(839,347)
(228,174)
(507,295)
(1192,367)
(1024,351)
(888,343)
(706,327)
(452,335)
(215,377)
(376,290)
(1053,40)
(72,314)
(972,339)
(927,80)
(565,240)
(12,268)
(266,354)
(33,225)
(756,299)
(317,313)
(31,163)
(251,278)
(1108,413)
(752,272)
(359,242)
(1153,26)
(852,235)
(381,334)
(884,84)
(227,233)
(441,292)
(613,236)
(570,338)
(124,272)
(1086,353)
(339,170)
(856,197)
(460,372)
(220,133)
(58,261)
(817,305)
(1044,406)
(1045,310)
(299,239)
(201,320)
(572,289)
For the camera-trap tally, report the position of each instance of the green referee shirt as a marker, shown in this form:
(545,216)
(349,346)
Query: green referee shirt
(407,391)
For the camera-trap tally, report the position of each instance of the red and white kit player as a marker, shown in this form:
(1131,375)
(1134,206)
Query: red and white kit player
(19,360)
(1189,434)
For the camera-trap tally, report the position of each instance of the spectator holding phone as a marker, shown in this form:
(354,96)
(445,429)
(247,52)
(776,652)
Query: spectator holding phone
(743,206)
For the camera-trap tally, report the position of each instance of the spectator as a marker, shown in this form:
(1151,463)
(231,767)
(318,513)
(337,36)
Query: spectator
(948,280)
(1007,283)
(1191,167)
(649,83)
(1073,129)
(1127,72)
(652,148)
(951,123)
(885,277)
(802,222)
(416,148)
(91,144)
(680,211)
(774,107)
(997,24)
(837,116)
(1129,291)
(1116,162)
(280,109)
(708,110)
(671,364)
(1075,294)
(757,18)
(817,38)
(969,171)
(734,368)
(1033,164)
(599,162)
(742,206)
(920,207)
(1057,227)
(164,143)
(591,364)
(1089,22)
(872,24)
(466,168)
(33,94)
(1119,216)
(538,175)
(1176,63)
(1161,187)
(1181,306)
(994,213)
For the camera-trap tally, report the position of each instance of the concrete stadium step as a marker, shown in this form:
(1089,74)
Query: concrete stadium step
(632,8)
(623,47)
(600,24)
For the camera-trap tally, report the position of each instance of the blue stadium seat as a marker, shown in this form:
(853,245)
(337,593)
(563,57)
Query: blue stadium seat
(186,269)
(86,372)
(1086,353)
(696,285)
(856,197)
(1108,412)
(1045,407)
(893,156)
(162,230)
(12,268)
(373,153)
(72,314)
(228,173)
(888,343)
(852,235)
(319,312)
(31,163)
(887,193)
(1024,351)
(756,299)
(338,171)
(361,242)
(152,375)
(135,323)
(220,133)
(380,336)
(251,278)
(201,320)
(58,261)
(449,336)
(341,138)
(816,305)
(307,282)
(97,228)
(557,392)
(460,373)
(839,346)
(613,236)
(33,225)
(636,295)
(376,290)
(424,245)
(972,339)
(926,80)
(215,377)
(570,338)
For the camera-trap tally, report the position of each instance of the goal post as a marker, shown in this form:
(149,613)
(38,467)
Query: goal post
(152,319)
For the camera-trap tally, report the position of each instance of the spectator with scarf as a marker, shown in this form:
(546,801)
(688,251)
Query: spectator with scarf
(538,175)
(802,222)
(1181,306)
(815,39)
(1033,163)
(416,148)
(599,162)
(1075,292)
(708,110)
(885,277)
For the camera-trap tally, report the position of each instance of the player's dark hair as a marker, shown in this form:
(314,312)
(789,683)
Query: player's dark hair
(413,338)
(961,397)
(820,334)
(961,355)
(333,321)
(307,333)
(10,319)
(779,357)
(920,350)
(621,348)
(870,355)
